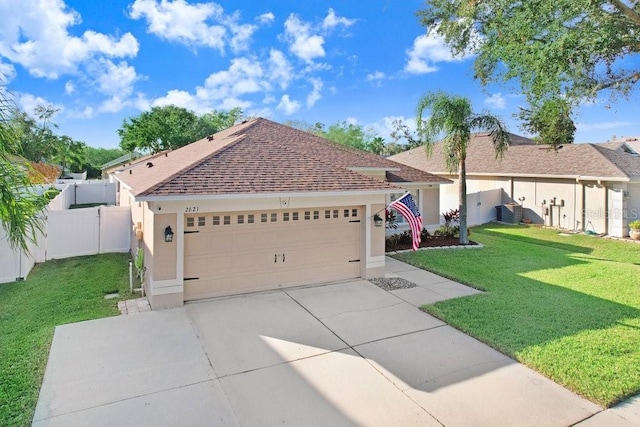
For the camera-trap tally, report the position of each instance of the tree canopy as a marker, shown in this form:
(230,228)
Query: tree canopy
(570,47)
(170,127)
(351,135)
(550,121)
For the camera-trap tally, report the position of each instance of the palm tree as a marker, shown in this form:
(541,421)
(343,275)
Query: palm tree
(20,207)
(452,116)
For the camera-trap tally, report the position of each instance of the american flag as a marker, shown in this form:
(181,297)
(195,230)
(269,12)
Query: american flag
(407,208)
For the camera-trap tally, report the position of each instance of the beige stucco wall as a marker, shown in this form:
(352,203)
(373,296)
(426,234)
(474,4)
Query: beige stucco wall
(164,253)
(165,260)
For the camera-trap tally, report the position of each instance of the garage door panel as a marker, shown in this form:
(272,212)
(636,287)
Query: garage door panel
(238,257)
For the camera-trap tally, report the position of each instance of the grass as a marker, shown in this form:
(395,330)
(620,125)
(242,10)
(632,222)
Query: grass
(56,292)
(566,306)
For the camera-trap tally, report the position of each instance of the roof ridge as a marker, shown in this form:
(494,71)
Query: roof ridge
(235,138)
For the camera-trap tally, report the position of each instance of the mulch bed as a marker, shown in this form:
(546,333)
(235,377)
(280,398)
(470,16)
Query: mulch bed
(431,242)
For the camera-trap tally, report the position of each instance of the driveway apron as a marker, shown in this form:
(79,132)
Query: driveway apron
(338,354)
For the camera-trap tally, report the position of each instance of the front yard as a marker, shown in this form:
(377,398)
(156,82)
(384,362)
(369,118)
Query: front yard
(568,306)
(56,292)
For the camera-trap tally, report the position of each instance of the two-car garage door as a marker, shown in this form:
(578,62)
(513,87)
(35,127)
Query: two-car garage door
(230,253)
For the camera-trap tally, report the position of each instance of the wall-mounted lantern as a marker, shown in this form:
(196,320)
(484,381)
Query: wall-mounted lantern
(168,234)
(377,220)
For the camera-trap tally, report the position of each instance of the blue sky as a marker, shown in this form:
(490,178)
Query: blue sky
(99,62)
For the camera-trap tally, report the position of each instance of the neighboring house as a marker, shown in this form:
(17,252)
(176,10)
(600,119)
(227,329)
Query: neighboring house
(115,164)
(262,206)
(578,187)
(630,145)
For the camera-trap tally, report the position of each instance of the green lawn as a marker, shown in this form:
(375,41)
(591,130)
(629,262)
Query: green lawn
(567,306)
(56,292)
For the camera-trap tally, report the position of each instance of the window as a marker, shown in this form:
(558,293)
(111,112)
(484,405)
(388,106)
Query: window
(202,221)
(263,217)
(354,212)
(274,217)
(346,213)
(307,215)
(190,222)
(295,216)
(250,219)
(216,220)
(399,218)
(240,219)
(227,220)
(316,214)
(335,213)
(285,216)
(327,214)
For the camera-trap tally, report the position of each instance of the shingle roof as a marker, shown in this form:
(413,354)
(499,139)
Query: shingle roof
(572,160)
(261,156)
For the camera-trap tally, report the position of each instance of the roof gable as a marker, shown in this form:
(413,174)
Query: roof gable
(261,156)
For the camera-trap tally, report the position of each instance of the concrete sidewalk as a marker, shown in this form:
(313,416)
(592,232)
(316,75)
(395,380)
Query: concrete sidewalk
(346,353)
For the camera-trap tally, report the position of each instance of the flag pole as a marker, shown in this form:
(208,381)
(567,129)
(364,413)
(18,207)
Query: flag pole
(386,206)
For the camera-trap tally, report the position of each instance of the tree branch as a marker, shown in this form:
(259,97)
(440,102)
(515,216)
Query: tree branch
(626,11)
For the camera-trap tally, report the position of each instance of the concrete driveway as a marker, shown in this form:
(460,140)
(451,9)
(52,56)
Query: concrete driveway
(339,354)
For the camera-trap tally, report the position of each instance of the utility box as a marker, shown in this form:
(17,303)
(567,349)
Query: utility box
(510,213)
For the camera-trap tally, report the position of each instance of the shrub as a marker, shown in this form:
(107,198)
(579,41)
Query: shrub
(635,225)
(447,231)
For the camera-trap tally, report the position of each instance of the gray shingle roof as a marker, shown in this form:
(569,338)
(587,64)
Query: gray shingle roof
(572,160)
(261,156)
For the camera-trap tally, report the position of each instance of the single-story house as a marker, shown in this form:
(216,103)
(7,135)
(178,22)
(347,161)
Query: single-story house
(110,167)
(262,206)
(577,187)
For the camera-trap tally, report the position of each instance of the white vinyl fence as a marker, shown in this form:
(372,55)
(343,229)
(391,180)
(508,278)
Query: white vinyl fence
(71,232)
(88,231)
(481,205)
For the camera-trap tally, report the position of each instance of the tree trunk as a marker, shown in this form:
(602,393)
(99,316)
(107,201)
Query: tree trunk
(462,195)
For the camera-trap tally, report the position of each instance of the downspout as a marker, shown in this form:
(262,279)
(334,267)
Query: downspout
(583,216)
(606,206)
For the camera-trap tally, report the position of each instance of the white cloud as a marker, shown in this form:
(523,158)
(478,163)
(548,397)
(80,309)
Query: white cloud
(223,89)
(427,50)
(315,94)
(331,21)
(7,72)
(35,34)
(182,22)
(376,77)
(266,18)
(116,79)
(496,101)
(241,38)
(28,103)
(384,126)
(196,24)
(69,87)
(302,42)
(280,70)
(352,121)
(288,106)
(112,105)
(244,76)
